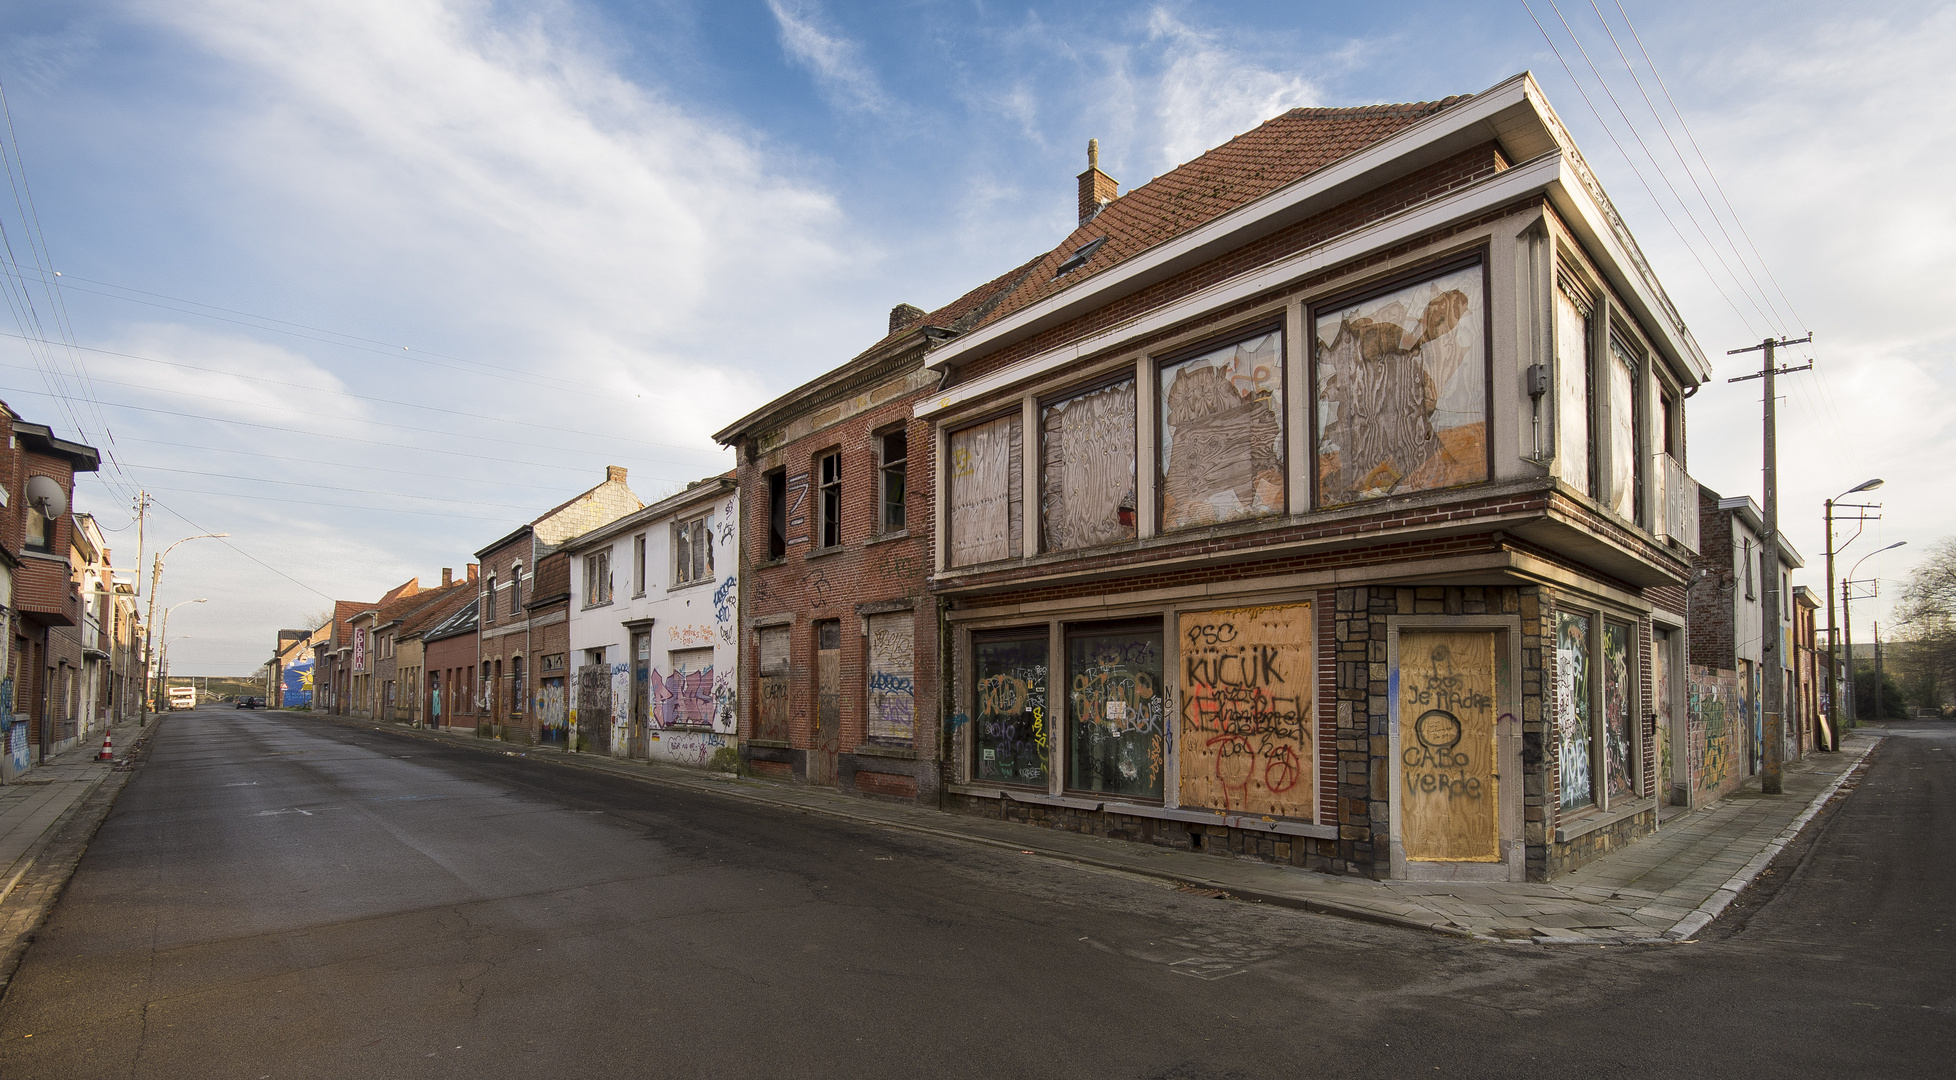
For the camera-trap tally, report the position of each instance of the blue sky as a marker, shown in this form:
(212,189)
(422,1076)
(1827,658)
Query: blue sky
(603,231)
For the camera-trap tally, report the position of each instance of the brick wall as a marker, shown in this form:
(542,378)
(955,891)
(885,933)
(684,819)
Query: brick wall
(1713,590)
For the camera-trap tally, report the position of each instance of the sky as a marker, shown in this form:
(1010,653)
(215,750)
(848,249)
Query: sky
(369,283)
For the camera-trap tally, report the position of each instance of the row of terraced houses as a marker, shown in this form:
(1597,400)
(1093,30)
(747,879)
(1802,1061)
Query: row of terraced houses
(1323,500)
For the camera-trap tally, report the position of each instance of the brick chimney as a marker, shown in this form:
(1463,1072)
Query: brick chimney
(447,576)
(1097,189)
(903,316)
(473,568)
(614,473)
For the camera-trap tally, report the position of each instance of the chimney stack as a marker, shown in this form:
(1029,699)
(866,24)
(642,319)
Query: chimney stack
(447,576)
(473,567)
(903,316)
(1097,189)
(614,473)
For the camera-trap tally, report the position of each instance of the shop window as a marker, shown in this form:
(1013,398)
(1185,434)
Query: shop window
(1572,385)
(892,683)
(1402,390)
(1009,710)
(1117,740)
(985,487)
(1222,433)
(1572,711)
(1086,468)
(895,454)
(777,514)
(1620,752)
(692,550)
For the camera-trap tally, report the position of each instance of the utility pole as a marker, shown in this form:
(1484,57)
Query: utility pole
(1877,702)
(1769,629)
(1837,684)
(142,520)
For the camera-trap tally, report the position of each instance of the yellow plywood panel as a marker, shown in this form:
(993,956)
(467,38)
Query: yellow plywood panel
(1246,716)
(1447,782)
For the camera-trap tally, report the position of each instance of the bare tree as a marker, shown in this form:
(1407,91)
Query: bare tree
(1928,619)
(316,620)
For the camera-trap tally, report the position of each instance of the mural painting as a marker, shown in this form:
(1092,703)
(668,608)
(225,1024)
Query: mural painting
(1712,710)
(1447,782)
(1118,732)
(1222,434)
(1246,721)
(892,686)
(1009,703)
(1087,468)
(1572,709)
(295,686)
(1402,391)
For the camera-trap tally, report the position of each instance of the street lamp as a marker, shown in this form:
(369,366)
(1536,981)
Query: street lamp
(1847,616)
(162,669)
(156,577)
(1833,635)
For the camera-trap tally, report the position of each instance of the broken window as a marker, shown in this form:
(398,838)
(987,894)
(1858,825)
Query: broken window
(1402,390)
(1117,734)
(831,505)
(894,447)
(777,514)
(1222,434)
(1086,470)
(1572,710)
(985,487)
(692,546)
(1009,712)
(597,577)
(1620,494)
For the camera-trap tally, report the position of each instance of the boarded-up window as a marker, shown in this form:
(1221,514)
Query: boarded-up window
(892,685)
(1117,736)
(1572,386)
(1246,726)
(1402,391)
(1572,709)
(1620,750)
(683,695)
(1620,494)
(1222,434)
(1009,718)
(985,489)
(1086,469)
(771,723)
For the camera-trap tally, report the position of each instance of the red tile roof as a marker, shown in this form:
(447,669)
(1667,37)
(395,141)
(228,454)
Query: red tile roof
(1249,166)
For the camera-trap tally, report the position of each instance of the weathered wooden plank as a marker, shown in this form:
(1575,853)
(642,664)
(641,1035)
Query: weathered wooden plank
(1448,787)
(771,720)
(1222,434)
(1246,732)
(892,685)
(985,492)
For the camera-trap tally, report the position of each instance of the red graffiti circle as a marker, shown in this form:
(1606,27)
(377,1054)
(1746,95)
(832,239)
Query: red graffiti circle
(1283,772)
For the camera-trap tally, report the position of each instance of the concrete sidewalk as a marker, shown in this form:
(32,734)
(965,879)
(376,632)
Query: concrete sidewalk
(34,804)
(1662,889)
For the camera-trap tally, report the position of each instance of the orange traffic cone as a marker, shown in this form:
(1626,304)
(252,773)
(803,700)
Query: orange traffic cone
(108,751)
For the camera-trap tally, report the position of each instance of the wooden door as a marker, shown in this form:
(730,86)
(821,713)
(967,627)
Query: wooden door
(641,693)
(828,702)
(1448,783)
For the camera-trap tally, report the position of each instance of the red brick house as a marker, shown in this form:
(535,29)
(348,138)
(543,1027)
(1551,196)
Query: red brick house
(1320,500)
(41,642)
(449,651)
(523,612)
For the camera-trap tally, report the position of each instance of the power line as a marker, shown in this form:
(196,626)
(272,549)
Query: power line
(340,465)
(174,512)
(328,487)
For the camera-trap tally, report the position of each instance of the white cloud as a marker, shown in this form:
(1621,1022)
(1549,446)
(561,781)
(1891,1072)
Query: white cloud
(1209,92)
(835,61)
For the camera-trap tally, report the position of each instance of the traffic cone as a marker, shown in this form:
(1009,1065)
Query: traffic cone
(108,751)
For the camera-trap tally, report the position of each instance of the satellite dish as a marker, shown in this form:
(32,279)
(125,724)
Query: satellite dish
(44,494)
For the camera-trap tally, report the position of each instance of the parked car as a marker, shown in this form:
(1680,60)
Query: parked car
(251,703)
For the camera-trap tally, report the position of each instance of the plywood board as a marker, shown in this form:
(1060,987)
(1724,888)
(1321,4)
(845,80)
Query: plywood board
(892,683)
(1402,391)
(771,721)
(1246,711)
(985,489)
(1448,786)
(1222,436)
(1087,468)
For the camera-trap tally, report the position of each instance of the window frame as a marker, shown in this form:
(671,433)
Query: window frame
(1314,309)
(697,532)
(885,469)
(597,577)
(1636,705)
(827,474)
(948,487)
(777,514)
(515,590)
(1033,445)
(1157,365)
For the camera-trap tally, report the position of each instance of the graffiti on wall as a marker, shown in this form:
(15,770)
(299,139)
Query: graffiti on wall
(1572,708)
(1009,695)
(1447,746)
(724,605)
(1246,711)
(689,636)
(892,686)
(1619,712)
(1118,730)
(683,697)
(1715,714)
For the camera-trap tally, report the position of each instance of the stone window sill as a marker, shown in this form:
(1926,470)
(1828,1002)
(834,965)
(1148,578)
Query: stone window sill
(1591,820)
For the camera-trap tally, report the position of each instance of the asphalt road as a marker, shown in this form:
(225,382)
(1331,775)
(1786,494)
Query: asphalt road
(282,896)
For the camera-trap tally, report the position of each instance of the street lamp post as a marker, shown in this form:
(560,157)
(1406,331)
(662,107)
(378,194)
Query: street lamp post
(1847,619)
(1834,689)
(155,578)
(162,669)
